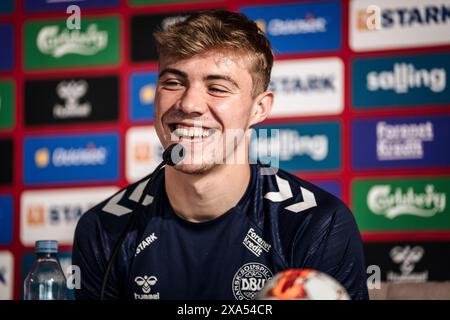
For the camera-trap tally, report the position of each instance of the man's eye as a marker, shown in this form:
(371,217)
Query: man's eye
(172,84)
(217,90)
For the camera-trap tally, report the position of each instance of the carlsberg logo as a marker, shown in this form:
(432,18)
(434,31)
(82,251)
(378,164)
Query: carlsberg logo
(57,44)
(382,200)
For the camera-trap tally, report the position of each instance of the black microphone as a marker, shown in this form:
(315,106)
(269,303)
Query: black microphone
(171,156)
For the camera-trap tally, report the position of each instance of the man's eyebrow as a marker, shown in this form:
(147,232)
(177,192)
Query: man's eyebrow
(173,71)
(222,77)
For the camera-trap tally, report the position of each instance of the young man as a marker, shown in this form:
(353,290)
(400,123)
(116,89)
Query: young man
(214,227)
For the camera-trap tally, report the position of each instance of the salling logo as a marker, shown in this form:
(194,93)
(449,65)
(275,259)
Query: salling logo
(382,200)
(406,17)
(307,84)
(284,27)
(71,92)
(57,44)
(62,157)
(407,257)
(146,283)
(402,141)
(287,143)
(404,77)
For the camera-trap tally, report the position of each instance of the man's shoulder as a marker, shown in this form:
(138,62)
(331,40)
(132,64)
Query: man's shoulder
(295,195)
(110,214)
(300,207)
(304,216)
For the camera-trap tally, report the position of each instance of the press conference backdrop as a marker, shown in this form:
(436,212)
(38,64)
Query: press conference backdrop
(363,112)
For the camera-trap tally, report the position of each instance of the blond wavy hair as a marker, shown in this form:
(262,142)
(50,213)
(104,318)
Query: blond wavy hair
(224,30)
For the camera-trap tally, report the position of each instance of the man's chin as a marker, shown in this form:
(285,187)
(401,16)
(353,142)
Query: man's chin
(198,168)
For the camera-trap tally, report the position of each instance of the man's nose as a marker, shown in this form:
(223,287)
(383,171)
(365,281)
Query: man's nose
(192,101)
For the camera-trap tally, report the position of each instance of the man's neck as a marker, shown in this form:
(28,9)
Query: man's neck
(203,197)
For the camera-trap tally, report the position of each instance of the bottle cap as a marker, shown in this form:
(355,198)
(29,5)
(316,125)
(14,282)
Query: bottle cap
(46,246)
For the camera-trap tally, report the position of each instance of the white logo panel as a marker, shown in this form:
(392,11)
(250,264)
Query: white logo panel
(54,213)
(143,152)
(402,24)
(307,87)
(6,275)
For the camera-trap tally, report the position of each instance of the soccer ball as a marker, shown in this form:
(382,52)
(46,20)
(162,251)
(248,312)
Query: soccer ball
(302,284)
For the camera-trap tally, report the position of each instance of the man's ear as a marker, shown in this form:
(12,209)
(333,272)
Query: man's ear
(261,108)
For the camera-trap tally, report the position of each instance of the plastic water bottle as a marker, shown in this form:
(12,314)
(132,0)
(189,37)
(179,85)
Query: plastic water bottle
(46,280)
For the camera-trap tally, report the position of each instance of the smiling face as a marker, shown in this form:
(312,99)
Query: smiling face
(201,100)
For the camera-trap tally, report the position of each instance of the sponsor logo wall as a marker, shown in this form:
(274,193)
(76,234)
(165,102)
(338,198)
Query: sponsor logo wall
(362,109)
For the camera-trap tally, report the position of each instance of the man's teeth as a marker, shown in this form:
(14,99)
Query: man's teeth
(194,132)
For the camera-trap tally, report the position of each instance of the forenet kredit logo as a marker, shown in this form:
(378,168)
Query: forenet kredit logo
(382,200)
(57,43)
(403,141)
